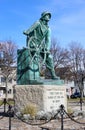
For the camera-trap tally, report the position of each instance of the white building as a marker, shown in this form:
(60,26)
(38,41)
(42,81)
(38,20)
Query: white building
(9,88)
(71,88)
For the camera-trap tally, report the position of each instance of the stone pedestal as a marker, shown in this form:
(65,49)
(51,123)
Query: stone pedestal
(53,97)
(44,97)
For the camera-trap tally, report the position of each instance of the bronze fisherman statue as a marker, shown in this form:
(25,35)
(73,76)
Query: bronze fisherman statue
(39,41)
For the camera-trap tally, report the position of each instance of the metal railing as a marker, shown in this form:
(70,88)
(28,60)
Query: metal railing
(10,113)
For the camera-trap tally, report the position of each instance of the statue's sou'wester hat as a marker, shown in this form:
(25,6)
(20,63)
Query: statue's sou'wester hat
(45,13)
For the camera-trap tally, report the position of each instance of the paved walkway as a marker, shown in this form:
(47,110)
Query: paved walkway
(54,124)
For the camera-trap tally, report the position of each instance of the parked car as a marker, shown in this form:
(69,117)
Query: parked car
(75,95)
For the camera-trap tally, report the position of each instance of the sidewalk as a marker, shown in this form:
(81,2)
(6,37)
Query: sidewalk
(54,124)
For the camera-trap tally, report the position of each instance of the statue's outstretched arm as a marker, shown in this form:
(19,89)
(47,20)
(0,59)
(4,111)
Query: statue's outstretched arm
(32,28)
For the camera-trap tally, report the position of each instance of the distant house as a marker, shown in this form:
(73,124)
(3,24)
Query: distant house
(71,87)
(10,84)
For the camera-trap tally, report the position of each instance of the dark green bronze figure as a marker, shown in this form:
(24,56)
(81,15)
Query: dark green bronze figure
(39,41)
(36,53)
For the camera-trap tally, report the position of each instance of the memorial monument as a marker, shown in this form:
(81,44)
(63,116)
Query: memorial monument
(47,94)
(37,52)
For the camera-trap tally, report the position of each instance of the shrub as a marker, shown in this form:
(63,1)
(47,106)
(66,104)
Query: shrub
(70,111)
(30,109)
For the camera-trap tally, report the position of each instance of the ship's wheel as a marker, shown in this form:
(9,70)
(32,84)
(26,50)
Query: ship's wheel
(37,53)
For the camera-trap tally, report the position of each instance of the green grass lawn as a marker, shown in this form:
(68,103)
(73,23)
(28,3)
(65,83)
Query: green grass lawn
(75,99)
(11,102)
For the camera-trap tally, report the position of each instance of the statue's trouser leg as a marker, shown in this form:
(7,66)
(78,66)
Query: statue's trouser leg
(50,66)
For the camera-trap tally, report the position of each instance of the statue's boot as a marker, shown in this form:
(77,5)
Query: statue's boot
(53,75)
(50,66)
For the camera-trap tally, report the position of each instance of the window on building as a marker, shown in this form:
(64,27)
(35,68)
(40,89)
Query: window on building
(3,79)
(9,91)
(3,89)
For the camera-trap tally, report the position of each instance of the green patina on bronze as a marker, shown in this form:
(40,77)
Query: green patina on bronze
(26,71)
(36,53)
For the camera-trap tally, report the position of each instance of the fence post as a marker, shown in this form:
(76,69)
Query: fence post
(61,113)
(10,115)
(5,101)
(9,122)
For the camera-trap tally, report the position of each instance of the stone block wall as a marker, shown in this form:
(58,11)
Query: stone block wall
(28,94)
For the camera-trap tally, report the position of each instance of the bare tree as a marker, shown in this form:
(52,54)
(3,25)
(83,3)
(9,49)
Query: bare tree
(76,52)
(60,55)
(77,65)
(83,59)
(8,55)
(60,58)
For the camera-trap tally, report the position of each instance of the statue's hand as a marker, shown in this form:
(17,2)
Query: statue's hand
(24,32)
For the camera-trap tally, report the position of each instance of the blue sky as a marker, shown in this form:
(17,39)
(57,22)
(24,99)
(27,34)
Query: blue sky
(67,23)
